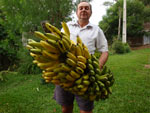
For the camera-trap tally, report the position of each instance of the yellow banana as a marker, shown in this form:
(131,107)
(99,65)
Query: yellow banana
(70,62)
(46,65)
(52,42)
(79,40)
(40,35)
(35,44)
(81,59)
(78,50)
(61,46)
(56,82)
(29,47)
(66,68)
(86,53)
(36,51)
(67,39)
(49,26)
(49,47)
(66,44)
(49,74)
(79,70)
(52,67)
(71,56)
(52,36)
(74,74)
(81,65)
(50,55)
(70,78)
(35,62)
(65,28)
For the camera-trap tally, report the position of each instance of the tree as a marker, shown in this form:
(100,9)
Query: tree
(20,16)
(135,19)
(29,13)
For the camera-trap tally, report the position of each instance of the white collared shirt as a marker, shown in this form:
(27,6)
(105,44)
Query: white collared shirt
(92,36)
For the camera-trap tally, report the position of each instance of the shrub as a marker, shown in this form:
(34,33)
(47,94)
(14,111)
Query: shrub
(26,65)
(120,48)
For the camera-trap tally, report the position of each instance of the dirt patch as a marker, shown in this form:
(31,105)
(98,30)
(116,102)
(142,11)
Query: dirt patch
(147,66)
(140,47)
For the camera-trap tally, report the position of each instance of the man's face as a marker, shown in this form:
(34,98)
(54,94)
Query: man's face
(83,11)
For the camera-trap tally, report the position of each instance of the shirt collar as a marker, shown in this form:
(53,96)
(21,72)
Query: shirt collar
(75,23)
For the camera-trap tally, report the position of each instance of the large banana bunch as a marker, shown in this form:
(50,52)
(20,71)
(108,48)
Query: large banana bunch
(70,64)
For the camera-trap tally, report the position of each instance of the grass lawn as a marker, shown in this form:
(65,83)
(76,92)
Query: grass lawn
(131,91)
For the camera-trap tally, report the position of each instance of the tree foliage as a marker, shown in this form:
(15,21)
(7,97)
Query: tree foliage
(26,15)
(135,19)
(18,16)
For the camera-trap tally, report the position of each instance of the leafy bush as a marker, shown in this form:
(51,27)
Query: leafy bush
(26,65)
(120,48)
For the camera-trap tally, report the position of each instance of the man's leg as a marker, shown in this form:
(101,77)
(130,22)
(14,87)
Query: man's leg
(64,98)
(85,106)
(67,109)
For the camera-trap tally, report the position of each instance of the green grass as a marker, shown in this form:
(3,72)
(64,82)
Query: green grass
(131,91)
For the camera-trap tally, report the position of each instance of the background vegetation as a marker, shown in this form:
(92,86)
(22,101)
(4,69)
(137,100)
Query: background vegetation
(27,94)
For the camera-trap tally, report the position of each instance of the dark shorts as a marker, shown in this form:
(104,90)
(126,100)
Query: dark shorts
(65,98)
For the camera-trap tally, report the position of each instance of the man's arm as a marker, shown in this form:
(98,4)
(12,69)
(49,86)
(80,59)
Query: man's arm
(103,58)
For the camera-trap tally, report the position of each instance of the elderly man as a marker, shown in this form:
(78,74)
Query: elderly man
(93,37)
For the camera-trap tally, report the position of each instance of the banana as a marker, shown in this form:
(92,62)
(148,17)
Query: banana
(67,85)
(66,68)
(50,55)
(84,89)
(86,53)
(49,74)
(35,44)
(90,67)
(46,65)
(74,74)
(78,50)
(97,71)
(40,35)
(79,81)
(61,46)
(62,75)
(65,28)
(81,65)
(86,82)
(66,44)
(100,84)
(81,59)
(52,42)
(67,39)
(52,28)
(79,70)
(73,49)
(52,36)
(79,41)
(71,62)
(96,64)
(36,51)
(56,82)
(29,47)
(35,62)
(71,56)
(41,59)
(70,78)
(85,77)
(49,47)
(49,69)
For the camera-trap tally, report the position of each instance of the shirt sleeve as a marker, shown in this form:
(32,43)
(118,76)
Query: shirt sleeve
(101,42)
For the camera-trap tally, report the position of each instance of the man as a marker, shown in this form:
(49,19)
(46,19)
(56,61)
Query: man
(93,37)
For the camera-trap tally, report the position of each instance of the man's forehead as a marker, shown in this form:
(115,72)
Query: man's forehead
(83,4)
